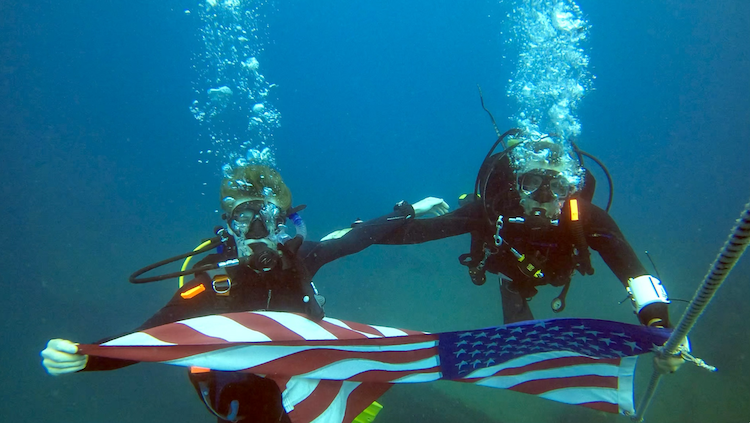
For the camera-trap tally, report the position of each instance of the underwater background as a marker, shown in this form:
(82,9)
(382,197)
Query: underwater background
(105,170)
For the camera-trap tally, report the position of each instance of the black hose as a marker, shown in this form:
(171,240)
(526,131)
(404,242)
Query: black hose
(134,278)
(609,178)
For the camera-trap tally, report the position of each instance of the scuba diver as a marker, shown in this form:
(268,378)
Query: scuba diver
(532,222)
(263,268)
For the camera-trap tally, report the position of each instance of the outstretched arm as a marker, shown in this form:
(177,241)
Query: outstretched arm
(649,297)
(361,235)
(466,219)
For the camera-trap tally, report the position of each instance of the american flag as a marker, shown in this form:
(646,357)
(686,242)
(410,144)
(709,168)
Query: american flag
(331,370)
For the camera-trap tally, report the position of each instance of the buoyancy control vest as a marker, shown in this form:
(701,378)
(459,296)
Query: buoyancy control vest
(533,251)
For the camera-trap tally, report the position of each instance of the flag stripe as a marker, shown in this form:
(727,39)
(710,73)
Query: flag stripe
(556,363)
(358,327)
(277,329)
(208,328)
(505,382)
(598,399)
(540,386)
(320,399)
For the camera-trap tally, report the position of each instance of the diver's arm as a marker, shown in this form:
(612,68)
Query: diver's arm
(468,218)
(361,236)
(604,236)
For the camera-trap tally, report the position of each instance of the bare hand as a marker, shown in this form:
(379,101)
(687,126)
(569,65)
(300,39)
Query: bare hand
(431,205)
(61,357)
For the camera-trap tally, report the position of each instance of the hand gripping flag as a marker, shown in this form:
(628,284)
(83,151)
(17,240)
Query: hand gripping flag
(331,370)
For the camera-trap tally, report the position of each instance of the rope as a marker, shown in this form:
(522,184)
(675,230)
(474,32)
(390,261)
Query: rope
(733,249)
(731,252)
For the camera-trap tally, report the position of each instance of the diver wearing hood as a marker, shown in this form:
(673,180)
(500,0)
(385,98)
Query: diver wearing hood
(265,269)
(532,222)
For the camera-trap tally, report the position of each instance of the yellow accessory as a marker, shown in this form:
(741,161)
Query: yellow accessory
(187,260)
(368,415)
(573,209)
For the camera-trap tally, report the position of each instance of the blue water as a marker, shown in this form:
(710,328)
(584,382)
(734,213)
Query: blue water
(378,103)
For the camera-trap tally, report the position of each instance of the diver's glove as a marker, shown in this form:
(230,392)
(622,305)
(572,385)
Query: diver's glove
(61,357)
(665,363)
(431,205)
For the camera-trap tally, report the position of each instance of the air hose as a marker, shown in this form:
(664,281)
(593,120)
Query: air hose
(206,246)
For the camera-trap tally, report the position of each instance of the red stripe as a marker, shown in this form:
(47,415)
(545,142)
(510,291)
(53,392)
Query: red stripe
(602,406)
(177,333)
(361,398)
(316,403)
(540,386)
(309,360)
(154,354)
(556,363)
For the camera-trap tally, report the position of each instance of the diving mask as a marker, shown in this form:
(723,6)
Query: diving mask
(256,219)
(258,227)
(543,192)
(530,183)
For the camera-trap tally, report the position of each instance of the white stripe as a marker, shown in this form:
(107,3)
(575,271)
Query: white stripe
(581,395)
(626,381)
(300,325)
(389,332)
(136,339)
(336,410)
(419,378)
(521,362)
(224,328)
(345,369)
(505,382)
(242,357)
(296,390)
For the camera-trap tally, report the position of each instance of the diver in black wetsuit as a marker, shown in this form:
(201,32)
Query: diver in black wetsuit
(266,269)
(532,222)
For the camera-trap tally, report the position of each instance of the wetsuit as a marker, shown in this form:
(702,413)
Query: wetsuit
(281,289)
(549,248)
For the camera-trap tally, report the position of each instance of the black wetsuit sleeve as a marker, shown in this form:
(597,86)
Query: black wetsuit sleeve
(604,236)
(362,235)
(466,219)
